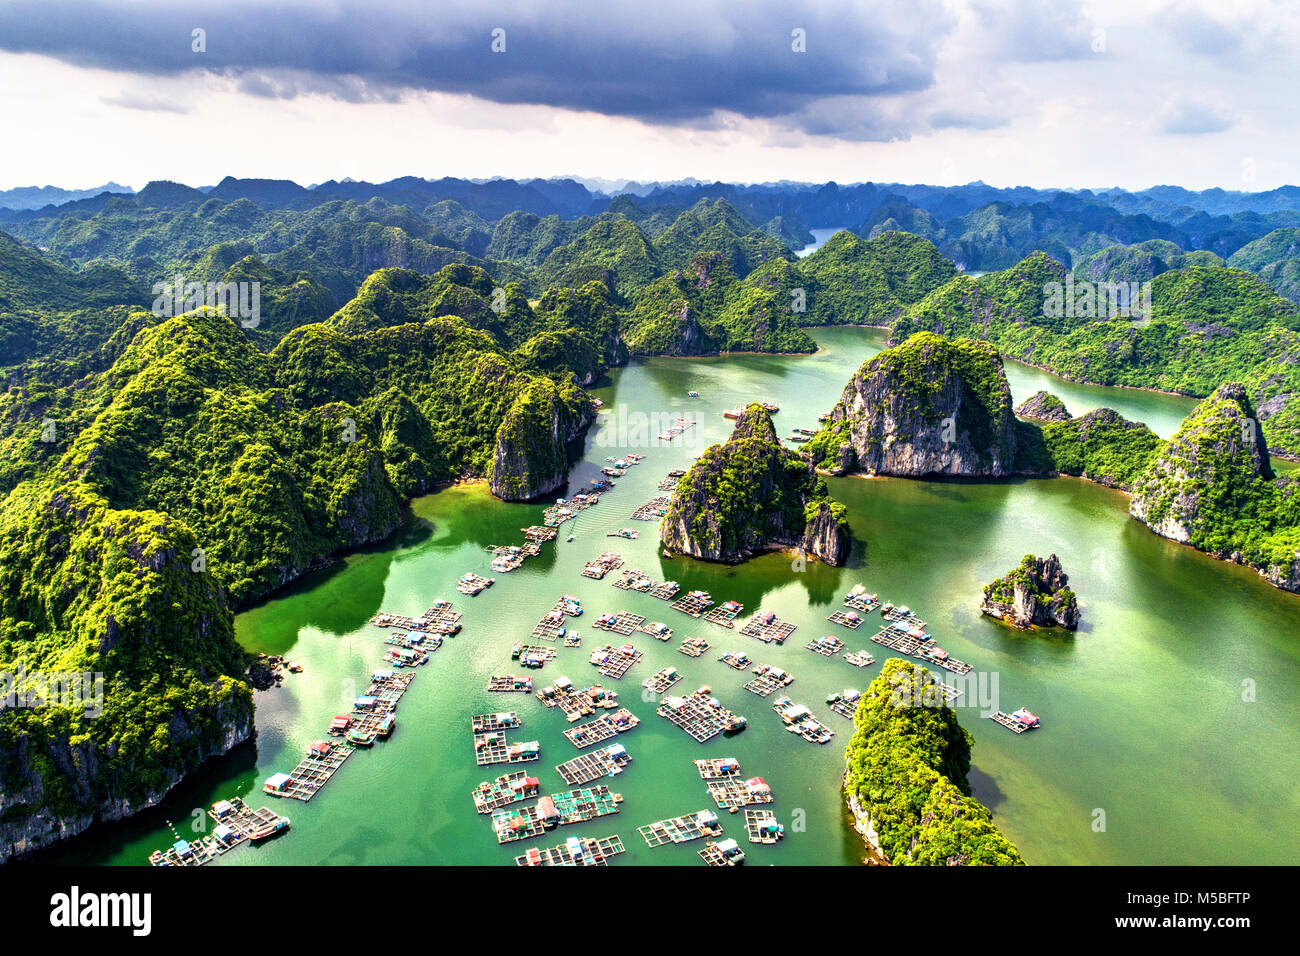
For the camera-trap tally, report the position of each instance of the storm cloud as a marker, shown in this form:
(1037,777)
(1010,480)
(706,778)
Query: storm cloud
(671,63)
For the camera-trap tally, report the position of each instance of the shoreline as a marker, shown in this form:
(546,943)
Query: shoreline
(1287,456)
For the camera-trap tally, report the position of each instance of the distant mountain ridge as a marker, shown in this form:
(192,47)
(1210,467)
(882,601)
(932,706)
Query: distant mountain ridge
(38,197)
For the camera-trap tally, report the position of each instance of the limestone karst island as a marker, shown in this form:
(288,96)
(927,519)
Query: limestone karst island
(710,435)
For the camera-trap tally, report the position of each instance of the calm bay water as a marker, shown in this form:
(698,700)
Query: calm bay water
(1143,710)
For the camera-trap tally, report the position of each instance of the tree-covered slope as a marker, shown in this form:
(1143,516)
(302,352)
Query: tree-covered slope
(703,309)
(750,493)
(1212,487)
(929,406)
(853,281)
(1207,325)
(1275,258)
(197,473)
(906,780)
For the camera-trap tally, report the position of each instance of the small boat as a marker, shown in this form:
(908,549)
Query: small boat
(360,738)
(693,394)
(569,538)
(269,829)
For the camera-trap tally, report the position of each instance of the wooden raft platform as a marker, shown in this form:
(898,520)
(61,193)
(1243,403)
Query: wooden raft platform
(825,646)
(656,629)
(736,660)
(585,804)
(768,628)
(493,748)
(533,655)
(850,619)
(724,615)
(861,601)
(652,510)
(726,853)
(604,727)
(509,684)
(623,623)
(606,762)
(695,603)
(609,561)
(683,829)
(504,790)
(247,822)
(718,768)
(591,852)
(634,579)
(761,827)
(860,659)
(845,704)
(313,772)
(914,642)
(482,723)
(901,615)
(694,647)
(473,584)
(615,662)
(769,680)
(661,680)
(700,715)
(576,704)
(666,591)
(732,792)
(1010,722)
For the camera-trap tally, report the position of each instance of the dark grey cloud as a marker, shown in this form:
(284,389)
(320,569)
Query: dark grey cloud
(669,62)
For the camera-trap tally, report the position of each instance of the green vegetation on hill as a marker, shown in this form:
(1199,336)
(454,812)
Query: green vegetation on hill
(1208,325)
(1275,258)
(852,281)
(749,493)
(195,473)
(703,309)
(907,775)
(1101,446)
(929,405)
(1212,487)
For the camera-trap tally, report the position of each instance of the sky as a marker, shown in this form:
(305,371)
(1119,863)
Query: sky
(1044,93)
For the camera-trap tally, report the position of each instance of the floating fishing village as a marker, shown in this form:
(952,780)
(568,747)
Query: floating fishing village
(517,804)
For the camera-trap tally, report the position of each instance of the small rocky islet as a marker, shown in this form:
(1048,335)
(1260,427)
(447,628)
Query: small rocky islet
(1036,593)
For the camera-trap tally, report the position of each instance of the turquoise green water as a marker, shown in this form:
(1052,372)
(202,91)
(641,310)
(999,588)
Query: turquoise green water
(1143,709)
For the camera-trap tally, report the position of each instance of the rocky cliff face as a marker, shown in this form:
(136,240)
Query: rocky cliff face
(530,458)
(749,494)
(1212,487)
(1035,594)
(929,406)
(31,817)
(1043,407)
(825,535)
(111,735)
(1218,448)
